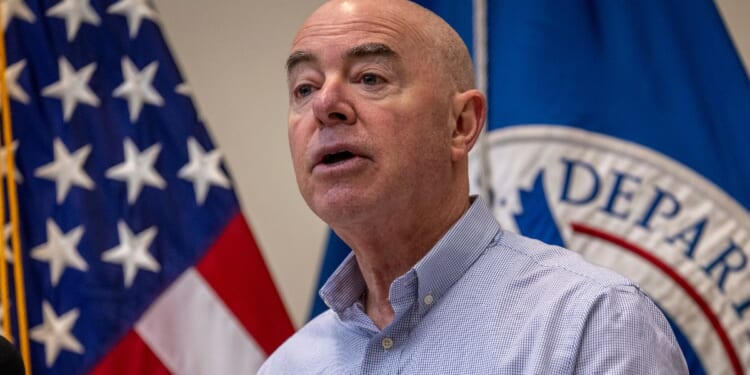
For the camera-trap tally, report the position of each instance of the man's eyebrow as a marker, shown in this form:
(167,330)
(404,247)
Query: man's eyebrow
(298,57)
(360,51)
(370,50)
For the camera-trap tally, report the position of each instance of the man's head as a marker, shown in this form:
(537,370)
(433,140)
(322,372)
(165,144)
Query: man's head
(382,111)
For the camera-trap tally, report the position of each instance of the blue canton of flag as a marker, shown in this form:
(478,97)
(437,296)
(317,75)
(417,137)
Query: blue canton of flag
(124,203)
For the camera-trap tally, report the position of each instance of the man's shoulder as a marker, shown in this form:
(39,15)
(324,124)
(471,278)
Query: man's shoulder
(552,303)
(532,257)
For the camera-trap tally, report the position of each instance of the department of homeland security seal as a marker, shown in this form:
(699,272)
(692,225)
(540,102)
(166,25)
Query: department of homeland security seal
(634,210)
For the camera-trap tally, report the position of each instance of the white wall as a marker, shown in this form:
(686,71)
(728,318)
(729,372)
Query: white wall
(232,52)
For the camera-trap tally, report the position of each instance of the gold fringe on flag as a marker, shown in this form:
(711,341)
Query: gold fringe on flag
(14,219)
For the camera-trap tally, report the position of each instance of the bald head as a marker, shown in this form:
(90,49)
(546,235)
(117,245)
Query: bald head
(441,45)
(382,114)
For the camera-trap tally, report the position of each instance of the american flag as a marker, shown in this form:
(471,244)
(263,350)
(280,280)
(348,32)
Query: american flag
(137,259)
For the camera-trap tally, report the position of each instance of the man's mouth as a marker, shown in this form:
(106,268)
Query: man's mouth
(337,157)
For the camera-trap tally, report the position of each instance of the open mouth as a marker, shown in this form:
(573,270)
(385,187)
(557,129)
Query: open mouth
(337,157)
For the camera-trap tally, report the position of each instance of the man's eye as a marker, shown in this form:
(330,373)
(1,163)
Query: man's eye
(303,90)
(371,79)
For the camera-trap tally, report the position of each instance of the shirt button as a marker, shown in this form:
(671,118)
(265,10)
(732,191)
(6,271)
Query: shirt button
(428,299)
(387,343)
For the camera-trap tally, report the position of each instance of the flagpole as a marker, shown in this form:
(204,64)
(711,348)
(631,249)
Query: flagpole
(15,237)
(3,266)
(480,61)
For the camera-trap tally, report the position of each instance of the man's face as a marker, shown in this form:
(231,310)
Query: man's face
(368,116)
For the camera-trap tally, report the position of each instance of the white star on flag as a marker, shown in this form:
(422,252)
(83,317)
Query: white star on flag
(17,176)
(183,89)
(132,252)
(74,12)
(60,251)
(72,87)
(137,169)
(203,170)
(137,88)
(66,170)
(135,11)
(15,91)
(16,8)
(55,333)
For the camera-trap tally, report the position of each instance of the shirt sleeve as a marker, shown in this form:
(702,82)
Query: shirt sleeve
(625,333)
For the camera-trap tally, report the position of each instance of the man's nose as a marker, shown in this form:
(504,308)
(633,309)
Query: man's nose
(332,106)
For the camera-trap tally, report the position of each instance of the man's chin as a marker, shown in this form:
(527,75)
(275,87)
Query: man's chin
(342,207)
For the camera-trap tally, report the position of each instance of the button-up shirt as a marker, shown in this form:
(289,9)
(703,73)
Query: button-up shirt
(487,301)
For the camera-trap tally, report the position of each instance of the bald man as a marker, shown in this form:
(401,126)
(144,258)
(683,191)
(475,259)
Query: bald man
(382,115)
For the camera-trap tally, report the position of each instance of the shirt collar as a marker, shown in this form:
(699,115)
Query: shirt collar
(345,287)
(455,252)
(436,272)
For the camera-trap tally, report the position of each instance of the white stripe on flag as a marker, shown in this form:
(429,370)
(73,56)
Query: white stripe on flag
(192,331)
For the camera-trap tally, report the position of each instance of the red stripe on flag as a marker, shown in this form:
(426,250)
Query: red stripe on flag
(130,356)
(235,269)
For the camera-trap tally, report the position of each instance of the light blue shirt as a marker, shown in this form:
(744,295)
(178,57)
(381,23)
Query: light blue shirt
(487,301)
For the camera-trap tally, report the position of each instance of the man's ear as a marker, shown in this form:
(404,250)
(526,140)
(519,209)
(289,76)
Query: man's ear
(470,109)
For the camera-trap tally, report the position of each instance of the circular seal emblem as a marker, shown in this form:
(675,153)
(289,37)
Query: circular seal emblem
(634,210)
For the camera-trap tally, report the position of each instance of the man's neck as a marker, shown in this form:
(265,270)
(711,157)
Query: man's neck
(389,249)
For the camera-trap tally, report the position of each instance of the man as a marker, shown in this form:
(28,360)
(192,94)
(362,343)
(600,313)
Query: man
(382,116)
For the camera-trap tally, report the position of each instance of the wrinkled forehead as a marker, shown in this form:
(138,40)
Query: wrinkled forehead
(396,35)
(342,25)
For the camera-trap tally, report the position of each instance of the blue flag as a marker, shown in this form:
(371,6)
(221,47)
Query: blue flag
(617,129)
